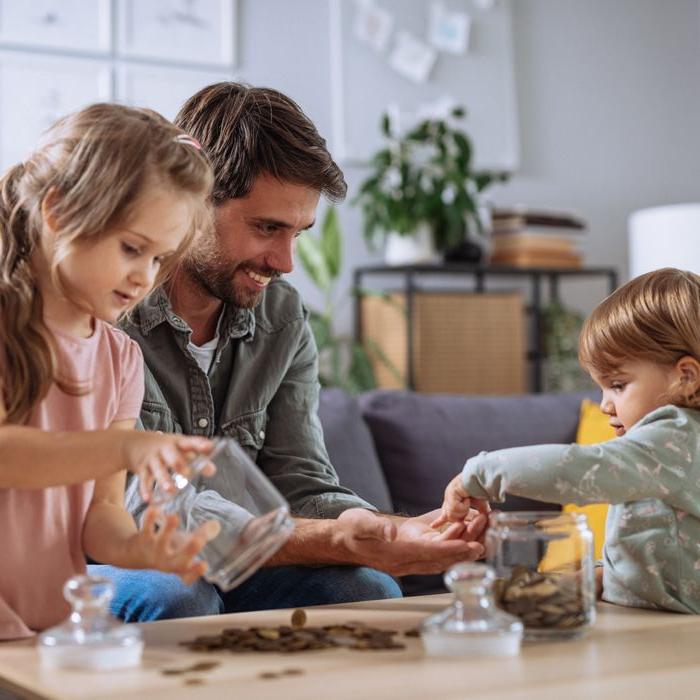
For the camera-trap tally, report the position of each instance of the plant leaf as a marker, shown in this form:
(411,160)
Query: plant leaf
(313,261)
(321,328)
(360,373)
(386,125)
(464,145)
(374,348)
(331,242)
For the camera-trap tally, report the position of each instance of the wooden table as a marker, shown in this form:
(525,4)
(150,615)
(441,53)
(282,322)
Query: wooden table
(639,653)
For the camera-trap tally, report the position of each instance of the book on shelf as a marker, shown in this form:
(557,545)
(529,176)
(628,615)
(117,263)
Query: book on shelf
(517,218)
(536,238)
(541,258)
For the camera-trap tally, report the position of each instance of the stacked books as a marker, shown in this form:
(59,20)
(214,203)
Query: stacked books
(536,238)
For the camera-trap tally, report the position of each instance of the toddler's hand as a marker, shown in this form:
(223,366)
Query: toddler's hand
(155,457)
(160,545)
(455,507)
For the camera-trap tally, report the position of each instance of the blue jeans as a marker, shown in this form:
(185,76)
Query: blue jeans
(144,595)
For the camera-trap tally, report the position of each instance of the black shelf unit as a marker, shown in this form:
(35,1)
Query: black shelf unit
(537,277)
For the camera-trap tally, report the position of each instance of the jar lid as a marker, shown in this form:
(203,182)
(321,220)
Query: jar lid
(472,625)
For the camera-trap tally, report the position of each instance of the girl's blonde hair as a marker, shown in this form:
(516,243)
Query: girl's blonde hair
(654,317)
(92,166)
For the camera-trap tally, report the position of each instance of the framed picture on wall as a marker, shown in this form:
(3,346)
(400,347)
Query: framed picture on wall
(183,31)
(38,90)
(161,89)
(75,25)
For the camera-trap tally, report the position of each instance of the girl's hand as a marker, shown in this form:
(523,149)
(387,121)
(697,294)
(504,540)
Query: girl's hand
(456,505)
(160,545)
(155,457)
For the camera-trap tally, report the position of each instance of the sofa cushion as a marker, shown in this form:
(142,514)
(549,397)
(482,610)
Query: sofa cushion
(423,440)
(350,448)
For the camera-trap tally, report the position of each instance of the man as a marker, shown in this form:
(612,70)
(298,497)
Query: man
(229,352)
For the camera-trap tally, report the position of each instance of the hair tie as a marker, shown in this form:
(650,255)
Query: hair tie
(188,141)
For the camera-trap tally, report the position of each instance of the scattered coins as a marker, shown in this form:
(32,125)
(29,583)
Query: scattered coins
(271,675)
(296,638)
(199,667)
(543,600)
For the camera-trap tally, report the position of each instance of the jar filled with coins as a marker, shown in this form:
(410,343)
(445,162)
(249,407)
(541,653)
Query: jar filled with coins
(544,571)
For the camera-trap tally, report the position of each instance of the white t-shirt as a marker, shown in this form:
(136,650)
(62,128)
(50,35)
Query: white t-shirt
(204,354)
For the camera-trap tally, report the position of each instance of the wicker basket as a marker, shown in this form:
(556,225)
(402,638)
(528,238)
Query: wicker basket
(463,343)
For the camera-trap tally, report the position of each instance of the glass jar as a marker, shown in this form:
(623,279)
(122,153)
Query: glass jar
(544,568)
(254,518)
(472,625)
(90,638)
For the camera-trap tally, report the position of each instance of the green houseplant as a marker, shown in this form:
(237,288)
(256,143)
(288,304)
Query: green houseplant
(425,176)
(563,373)
(343,362)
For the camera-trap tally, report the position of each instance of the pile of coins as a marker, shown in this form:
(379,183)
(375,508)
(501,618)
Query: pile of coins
(296,638)
(543,600)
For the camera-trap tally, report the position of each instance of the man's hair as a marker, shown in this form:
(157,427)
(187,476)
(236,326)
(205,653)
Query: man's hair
(248,131)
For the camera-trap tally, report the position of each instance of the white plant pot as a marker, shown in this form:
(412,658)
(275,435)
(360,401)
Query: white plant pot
(411,249)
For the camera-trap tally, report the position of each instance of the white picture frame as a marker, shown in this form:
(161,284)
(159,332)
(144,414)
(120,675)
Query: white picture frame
(38,90)
(198,32)
(74,25)
(162,89)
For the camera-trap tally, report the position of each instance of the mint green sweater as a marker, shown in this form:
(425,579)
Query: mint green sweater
(651,478)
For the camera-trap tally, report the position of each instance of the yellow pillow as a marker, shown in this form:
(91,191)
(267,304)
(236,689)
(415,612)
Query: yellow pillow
(593,427)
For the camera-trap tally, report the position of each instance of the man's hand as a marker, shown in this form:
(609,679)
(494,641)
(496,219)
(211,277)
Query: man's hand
(471,529)
(403,546)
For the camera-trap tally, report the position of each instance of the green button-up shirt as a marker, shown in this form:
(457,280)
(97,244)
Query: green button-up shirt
(262,389)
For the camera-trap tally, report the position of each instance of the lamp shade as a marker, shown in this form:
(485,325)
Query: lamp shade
(664,237)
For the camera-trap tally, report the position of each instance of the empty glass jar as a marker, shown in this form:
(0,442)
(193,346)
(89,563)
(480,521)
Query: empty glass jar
(254,519)
(472,625)
(90,638)
(544,568)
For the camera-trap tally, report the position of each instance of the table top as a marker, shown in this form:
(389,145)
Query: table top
(645,653)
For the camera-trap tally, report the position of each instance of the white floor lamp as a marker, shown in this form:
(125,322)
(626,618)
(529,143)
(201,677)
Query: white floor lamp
(666,236)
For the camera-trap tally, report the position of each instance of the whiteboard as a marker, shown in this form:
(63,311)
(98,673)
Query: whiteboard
(482,79)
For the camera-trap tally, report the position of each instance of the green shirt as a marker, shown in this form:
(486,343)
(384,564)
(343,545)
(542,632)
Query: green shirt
(651,476)
(262,390)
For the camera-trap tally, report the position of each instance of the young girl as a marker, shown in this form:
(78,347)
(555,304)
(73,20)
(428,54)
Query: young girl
(87,225)
(642,347)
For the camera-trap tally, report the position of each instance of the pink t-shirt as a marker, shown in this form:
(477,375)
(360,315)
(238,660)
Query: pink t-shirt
(41,529)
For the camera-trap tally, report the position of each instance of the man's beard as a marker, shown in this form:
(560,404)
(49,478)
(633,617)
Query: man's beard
(216,275)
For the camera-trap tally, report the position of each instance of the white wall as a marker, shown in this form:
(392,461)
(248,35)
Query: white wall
(608,99)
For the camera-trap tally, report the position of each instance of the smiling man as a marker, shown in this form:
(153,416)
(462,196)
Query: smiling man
(229,352)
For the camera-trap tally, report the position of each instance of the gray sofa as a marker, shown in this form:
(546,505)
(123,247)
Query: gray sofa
(398,449)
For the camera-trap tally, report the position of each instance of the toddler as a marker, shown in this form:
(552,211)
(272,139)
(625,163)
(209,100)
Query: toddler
(641,345)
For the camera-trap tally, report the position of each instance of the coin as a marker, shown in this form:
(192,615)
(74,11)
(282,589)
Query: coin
(298,618)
